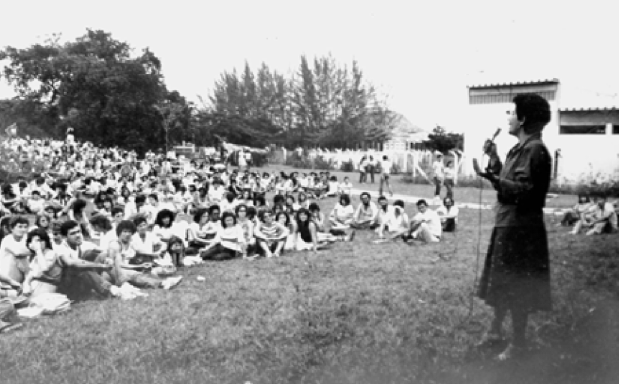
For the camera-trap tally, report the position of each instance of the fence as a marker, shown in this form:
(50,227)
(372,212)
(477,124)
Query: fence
(415,162)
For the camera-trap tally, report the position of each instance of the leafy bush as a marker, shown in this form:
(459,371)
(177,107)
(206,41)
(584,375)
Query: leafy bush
(303,161)
(348,166)
(259,160)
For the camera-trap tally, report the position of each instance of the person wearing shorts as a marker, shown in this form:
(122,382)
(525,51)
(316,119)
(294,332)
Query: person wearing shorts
(385,166)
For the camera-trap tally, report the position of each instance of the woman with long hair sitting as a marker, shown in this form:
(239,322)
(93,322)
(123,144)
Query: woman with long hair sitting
(228,242)
(206,225)
(306,233)
(284,218)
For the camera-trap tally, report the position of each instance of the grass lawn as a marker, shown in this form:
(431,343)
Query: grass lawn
(401,186)
(358,312)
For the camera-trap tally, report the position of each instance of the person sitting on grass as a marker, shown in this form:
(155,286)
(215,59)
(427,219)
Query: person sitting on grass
(302,201)
(285,219)
(164,224)
(306,234)
(175,254)
(247,225)
(14,257)
(86,267)
(332,187)
(130,269)
(383,212)
(228,242)
(396,224)
(448,213)
(77,212)
(35,203)
(366,213)
(205,227)
(341,219)
(425,225)
(578,212)
(603,218)
(345,187)
(47,266)
(270,235)
(147,243)
(102,225)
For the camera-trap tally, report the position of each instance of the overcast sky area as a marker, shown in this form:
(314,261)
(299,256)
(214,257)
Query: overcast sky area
(422,55)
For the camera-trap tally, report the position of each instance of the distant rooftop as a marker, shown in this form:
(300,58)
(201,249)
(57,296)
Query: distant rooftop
(522,83)
(590,109)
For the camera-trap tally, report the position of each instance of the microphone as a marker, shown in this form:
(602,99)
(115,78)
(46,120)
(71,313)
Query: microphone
(498,131)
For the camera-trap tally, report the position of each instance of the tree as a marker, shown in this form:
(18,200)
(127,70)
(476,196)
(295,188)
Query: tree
(321,104)
(443,141)
(112,95)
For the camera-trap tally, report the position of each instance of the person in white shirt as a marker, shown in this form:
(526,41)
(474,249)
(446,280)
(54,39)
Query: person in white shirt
(345,187)
(363,164)
(228,242)
(396,223)
(385,166)
(601,219)
(332,187)
(95,270)
(36,203)
(438,169)
(366,213)
(145,242)
(341,219)
(426,224)
(217,191)
(14,257)
(448,214)
(384,210)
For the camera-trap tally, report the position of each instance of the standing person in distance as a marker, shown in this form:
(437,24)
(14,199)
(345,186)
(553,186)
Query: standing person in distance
(370,168)
(385,166)
(438,169)
(516,275)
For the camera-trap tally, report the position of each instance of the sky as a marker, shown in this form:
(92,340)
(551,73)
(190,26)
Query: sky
(420,55)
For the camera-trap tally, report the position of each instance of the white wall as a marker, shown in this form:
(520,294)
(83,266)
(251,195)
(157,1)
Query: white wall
(582,156)
(588,157)
(481,123)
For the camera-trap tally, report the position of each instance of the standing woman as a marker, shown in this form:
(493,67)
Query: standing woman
(516,275)
(362,165)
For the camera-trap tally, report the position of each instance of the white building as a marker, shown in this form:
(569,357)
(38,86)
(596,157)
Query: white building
(584,142)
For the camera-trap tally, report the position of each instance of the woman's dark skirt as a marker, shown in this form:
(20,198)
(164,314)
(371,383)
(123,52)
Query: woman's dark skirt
(516,273)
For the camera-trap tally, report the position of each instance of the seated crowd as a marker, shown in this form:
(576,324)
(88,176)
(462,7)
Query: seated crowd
(593,215)
(101,220)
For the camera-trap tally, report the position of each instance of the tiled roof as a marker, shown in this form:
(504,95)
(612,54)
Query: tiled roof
(524,83)
(583,109)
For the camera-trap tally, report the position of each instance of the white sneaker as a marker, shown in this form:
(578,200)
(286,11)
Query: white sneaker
(171,282)
(115,291)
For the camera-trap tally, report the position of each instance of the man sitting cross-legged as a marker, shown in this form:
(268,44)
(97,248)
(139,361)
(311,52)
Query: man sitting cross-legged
(426,225)
(396,223)
(87,268)
(365,216)
(128,268)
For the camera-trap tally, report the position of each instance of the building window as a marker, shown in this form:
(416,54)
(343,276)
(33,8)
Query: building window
(583,130)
